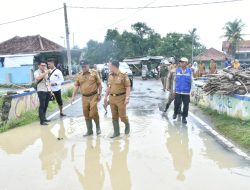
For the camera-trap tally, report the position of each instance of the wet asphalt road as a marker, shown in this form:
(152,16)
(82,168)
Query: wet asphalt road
(158,154)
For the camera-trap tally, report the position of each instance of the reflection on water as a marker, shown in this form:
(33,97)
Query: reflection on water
(118,171)
(92,176)
(178,147)
(53,151)
(17,140)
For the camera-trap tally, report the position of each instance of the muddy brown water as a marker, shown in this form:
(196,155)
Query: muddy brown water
(159,154)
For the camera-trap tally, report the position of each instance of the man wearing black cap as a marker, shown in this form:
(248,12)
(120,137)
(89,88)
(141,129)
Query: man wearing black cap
(119,92)
(90,86)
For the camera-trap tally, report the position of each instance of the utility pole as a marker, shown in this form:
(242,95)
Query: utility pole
(67,39)
(193,33)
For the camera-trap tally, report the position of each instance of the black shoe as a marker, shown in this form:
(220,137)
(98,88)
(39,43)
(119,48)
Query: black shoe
(174,116)
(43,123)
(62,114)
(184,120)
(46,120)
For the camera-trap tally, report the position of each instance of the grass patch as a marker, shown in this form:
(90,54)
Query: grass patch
(235,129)
(25,118)
(31,116)
(1,103)
(13,86)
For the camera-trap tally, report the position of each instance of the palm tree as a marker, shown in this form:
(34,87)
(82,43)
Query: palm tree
(233,34)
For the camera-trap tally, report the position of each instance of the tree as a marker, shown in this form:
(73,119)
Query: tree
(179,45)
(233,34)
(112,35)
(92,52)
(142,34)
(143,41)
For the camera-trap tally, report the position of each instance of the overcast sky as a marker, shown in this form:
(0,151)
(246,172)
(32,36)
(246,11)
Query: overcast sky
(92,24)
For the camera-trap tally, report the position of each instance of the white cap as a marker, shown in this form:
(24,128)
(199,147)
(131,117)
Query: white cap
(184,59)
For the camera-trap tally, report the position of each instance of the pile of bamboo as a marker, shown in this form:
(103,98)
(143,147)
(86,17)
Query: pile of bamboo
(229,82)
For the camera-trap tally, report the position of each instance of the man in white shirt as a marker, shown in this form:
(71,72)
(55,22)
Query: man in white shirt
(56,79)
(43,91)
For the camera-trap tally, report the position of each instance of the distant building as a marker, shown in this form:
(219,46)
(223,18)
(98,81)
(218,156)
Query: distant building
(19,57)
(242,50)
(206,56)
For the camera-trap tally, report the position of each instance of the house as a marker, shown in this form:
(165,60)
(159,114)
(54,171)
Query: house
(206,56)
(242,50)
(19,57)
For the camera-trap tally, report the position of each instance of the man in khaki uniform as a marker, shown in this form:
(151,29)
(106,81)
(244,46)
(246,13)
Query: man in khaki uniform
(119,92)
(213,67)
(201,69)
(171,85)
(163,75)
(90,86)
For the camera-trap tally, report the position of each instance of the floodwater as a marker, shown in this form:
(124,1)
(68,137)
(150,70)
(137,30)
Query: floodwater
(159,154)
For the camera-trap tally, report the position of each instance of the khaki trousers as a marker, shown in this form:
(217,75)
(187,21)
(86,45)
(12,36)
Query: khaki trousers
(89,105)
(118,108)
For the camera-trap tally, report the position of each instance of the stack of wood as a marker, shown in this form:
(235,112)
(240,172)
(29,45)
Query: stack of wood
(229,82)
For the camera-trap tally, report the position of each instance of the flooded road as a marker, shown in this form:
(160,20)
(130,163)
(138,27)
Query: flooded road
(159,154)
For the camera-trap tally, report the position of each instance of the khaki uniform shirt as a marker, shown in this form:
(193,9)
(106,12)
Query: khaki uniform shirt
(213,68)
(88,81)
(201,69)
(171,80)
(118,82)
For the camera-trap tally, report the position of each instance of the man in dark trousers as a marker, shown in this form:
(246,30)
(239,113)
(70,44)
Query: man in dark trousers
(182,89)
(43,90)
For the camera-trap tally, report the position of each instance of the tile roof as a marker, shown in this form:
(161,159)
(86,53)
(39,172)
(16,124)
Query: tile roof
(211,54)
(28,44)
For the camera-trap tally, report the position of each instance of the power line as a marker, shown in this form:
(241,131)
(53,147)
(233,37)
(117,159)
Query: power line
(30,17)
(124,18)
(157,7)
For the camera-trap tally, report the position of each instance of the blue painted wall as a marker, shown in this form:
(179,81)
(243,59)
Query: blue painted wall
(19,75)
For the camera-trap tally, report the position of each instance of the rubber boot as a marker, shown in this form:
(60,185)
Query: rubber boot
(98,128)
(116,129)
(89,128)
(167,106)
(127,128)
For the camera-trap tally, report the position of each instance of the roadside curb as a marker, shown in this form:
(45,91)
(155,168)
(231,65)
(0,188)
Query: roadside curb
(64,108)
(230,145)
